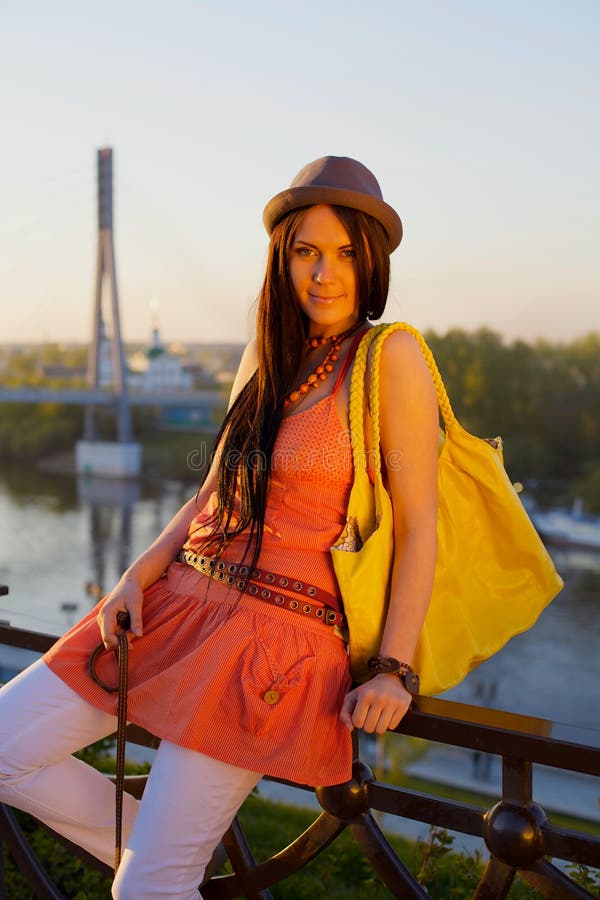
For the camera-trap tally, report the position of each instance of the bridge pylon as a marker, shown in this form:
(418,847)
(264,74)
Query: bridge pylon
(122,457)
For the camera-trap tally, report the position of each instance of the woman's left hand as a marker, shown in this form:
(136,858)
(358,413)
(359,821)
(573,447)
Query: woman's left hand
(376,706)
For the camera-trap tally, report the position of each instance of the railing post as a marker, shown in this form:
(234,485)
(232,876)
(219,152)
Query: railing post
(517,779)
(513,828)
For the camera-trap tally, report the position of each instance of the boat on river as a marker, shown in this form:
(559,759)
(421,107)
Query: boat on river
(567,527)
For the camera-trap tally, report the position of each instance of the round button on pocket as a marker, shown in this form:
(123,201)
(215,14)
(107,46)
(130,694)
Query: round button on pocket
(271,697)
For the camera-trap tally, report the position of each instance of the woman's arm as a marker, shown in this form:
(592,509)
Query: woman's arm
(147,568)
(409,442)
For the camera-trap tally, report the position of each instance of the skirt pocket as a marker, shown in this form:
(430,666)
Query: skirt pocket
(271,689)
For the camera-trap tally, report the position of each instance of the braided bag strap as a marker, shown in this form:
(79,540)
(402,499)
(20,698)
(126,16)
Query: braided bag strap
(357,397)
(442,395)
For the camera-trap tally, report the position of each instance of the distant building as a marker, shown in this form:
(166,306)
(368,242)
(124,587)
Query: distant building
(182,418)
(155,370)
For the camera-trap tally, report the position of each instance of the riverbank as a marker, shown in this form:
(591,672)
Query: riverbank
(180,455)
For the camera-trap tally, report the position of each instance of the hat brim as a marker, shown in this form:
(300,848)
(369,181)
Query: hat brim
(312,195)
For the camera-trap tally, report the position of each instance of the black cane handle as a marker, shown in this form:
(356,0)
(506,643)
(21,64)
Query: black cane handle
(124,622)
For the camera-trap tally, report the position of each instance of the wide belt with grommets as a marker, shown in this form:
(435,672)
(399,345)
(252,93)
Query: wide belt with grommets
(268,586)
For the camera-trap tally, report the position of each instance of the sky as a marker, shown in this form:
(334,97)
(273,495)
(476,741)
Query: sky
(478,117)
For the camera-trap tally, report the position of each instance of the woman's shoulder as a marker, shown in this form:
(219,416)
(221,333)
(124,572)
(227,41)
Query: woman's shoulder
(405,380)
(246,369)
(250,354)
(401,355)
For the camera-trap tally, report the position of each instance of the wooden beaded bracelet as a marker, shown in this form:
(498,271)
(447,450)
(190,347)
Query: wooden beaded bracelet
(387,665)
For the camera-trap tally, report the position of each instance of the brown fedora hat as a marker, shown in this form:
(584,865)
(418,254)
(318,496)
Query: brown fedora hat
(335,181)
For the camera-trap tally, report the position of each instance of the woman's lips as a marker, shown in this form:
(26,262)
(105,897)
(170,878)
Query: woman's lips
(317,298)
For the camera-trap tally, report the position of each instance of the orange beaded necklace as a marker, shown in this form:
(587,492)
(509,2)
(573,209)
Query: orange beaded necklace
(324,368)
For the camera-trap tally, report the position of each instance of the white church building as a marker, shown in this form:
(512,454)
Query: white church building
(153,370)
(156,370)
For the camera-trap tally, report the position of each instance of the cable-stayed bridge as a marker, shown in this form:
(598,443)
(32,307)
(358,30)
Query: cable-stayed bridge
(122,457)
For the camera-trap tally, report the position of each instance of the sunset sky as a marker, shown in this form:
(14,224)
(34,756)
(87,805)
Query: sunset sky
(479,118)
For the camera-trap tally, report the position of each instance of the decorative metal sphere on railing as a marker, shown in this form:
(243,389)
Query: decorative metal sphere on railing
(513,832)
(350,798)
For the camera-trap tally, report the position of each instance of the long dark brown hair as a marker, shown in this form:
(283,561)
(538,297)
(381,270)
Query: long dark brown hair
(246,438)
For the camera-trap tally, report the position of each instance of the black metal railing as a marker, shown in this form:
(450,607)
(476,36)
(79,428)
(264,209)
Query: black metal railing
(516,830)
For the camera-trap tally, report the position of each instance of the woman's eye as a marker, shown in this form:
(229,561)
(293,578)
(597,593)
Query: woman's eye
(304,251)
(349,254)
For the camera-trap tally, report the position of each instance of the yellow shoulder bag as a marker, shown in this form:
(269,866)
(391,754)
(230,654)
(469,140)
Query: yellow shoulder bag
(493,576)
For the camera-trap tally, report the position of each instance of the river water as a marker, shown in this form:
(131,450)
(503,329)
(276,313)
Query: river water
(60,534)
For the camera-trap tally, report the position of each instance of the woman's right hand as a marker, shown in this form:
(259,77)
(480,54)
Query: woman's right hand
(127,597)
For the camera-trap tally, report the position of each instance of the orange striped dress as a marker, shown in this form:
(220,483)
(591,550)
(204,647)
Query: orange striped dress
(246,682)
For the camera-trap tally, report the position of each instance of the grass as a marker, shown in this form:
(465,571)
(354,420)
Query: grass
(342,872)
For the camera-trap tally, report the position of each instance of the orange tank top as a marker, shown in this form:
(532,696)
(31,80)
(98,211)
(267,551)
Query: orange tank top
(309,486)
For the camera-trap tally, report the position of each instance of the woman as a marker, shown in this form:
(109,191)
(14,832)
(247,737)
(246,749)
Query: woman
(237,660)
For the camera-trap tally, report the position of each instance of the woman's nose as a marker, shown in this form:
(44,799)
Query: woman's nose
(323,272)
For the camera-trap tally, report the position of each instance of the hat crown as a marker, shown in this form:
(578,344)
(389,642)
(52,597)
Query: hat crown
(335,181)
(340,172)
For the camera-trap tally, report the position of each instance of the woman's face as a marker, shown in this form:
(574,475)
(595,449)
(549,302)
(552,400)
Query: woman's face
(323,272)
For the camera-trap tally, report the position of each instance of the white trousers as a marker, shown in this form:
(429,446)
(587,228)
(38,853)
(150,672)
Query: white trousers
(189,801)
